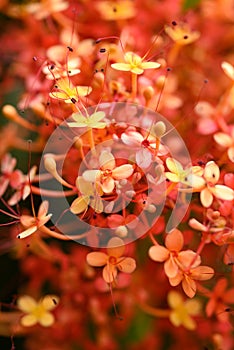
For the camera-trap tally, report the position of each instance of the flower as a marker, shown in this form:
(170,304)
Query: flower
(109,172)
(220,297)
(182,310)
(9,175)
(67,92)
(181,34)
(32,223)
(209,189)
(188,276)
(45,8)
(90,196)
(227,141)
(116,10)
(90,121)
(23,189)
(172,256)
(113,260)
(228,70)
(60,64)
(134,64)
(37,312)
(189,176)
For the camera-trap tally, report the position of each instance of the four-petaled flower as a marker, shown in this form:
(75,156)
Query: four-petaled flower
(37,312)
(90,196)
(67,92)
(108,173)
(113,260)
(181,33)
(183,310)
(227,141)
(209,189)
(134,64)
(220,297)
(89,121)
(189,176)
(171,255)
(31,223)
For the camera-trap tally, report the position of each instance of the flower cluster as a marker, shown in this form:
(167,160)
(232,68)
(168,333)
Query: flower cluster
(117,151)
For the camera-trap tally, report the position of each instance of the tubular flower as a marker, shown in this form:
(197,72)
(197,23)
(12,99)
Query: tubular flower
(171,255)
(210,189)
(37,312)
(113,260)
(109,172)
(134,64)
(31,223)
(183,310)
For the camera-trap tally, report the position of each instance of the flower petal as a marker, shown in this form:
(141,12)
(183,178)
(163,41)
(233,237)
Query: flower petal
(91,175)
(125,67)
(150,65)
(174,240)
(122,171)
(127,265)
(49,302)
(27,232)
(46,320)
(202,273)
(189,286)
(109,273)
(107,160)
(174,166)
(171,268)
(97,259)
(108,185)
(174,299)
(197,225)
(211,172)
(26,303)
(223,192)
(115,247)
(223,139)
(79,205)
(206,198)
(28,320)
(158,253)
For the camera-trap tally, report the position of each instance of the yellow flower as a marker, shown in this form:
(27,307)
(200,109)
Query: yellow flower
(181,34)
(182,310)
(189,176)
(69,93)
(90,121)
(37,312)
(89,197)
(134,64)
(116,10)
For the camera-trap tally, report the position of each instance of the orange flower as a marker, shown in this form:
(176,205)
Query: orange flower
(172,255)
(181,34)
(220,297)
(113,260)
(188,278)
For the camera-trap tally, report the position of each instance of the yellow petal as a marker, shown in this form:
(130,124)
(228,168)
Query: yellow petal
(174,166)
(26,303)
(46,320)
(28,320)
(174,299)
(125,67)
(49,302)
(150,65)
(79,205)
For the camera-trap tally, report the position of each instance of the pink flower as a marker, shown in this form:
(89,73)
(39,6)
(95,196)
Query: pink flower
(109,172)
(9,176)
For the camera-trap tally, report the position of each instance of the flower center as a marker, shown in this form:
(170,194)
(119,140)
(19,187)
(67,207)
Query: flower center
(112,260)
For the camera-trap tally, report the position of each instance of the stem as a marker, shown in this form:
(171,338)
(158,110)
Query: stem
(50,193)
(154,311)
(198,252)
(57,235)
(134,85)
(91,140)
(173,53)
(171,187)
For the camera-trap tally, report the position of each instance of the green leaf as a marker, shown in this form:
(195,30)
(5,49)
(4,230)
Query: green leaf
(190,4)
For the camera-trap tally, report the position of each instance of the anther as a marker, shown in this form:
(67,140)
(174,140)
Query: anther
(174,23)
(70,48)
(73,100)
(102,50)
(185,36)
